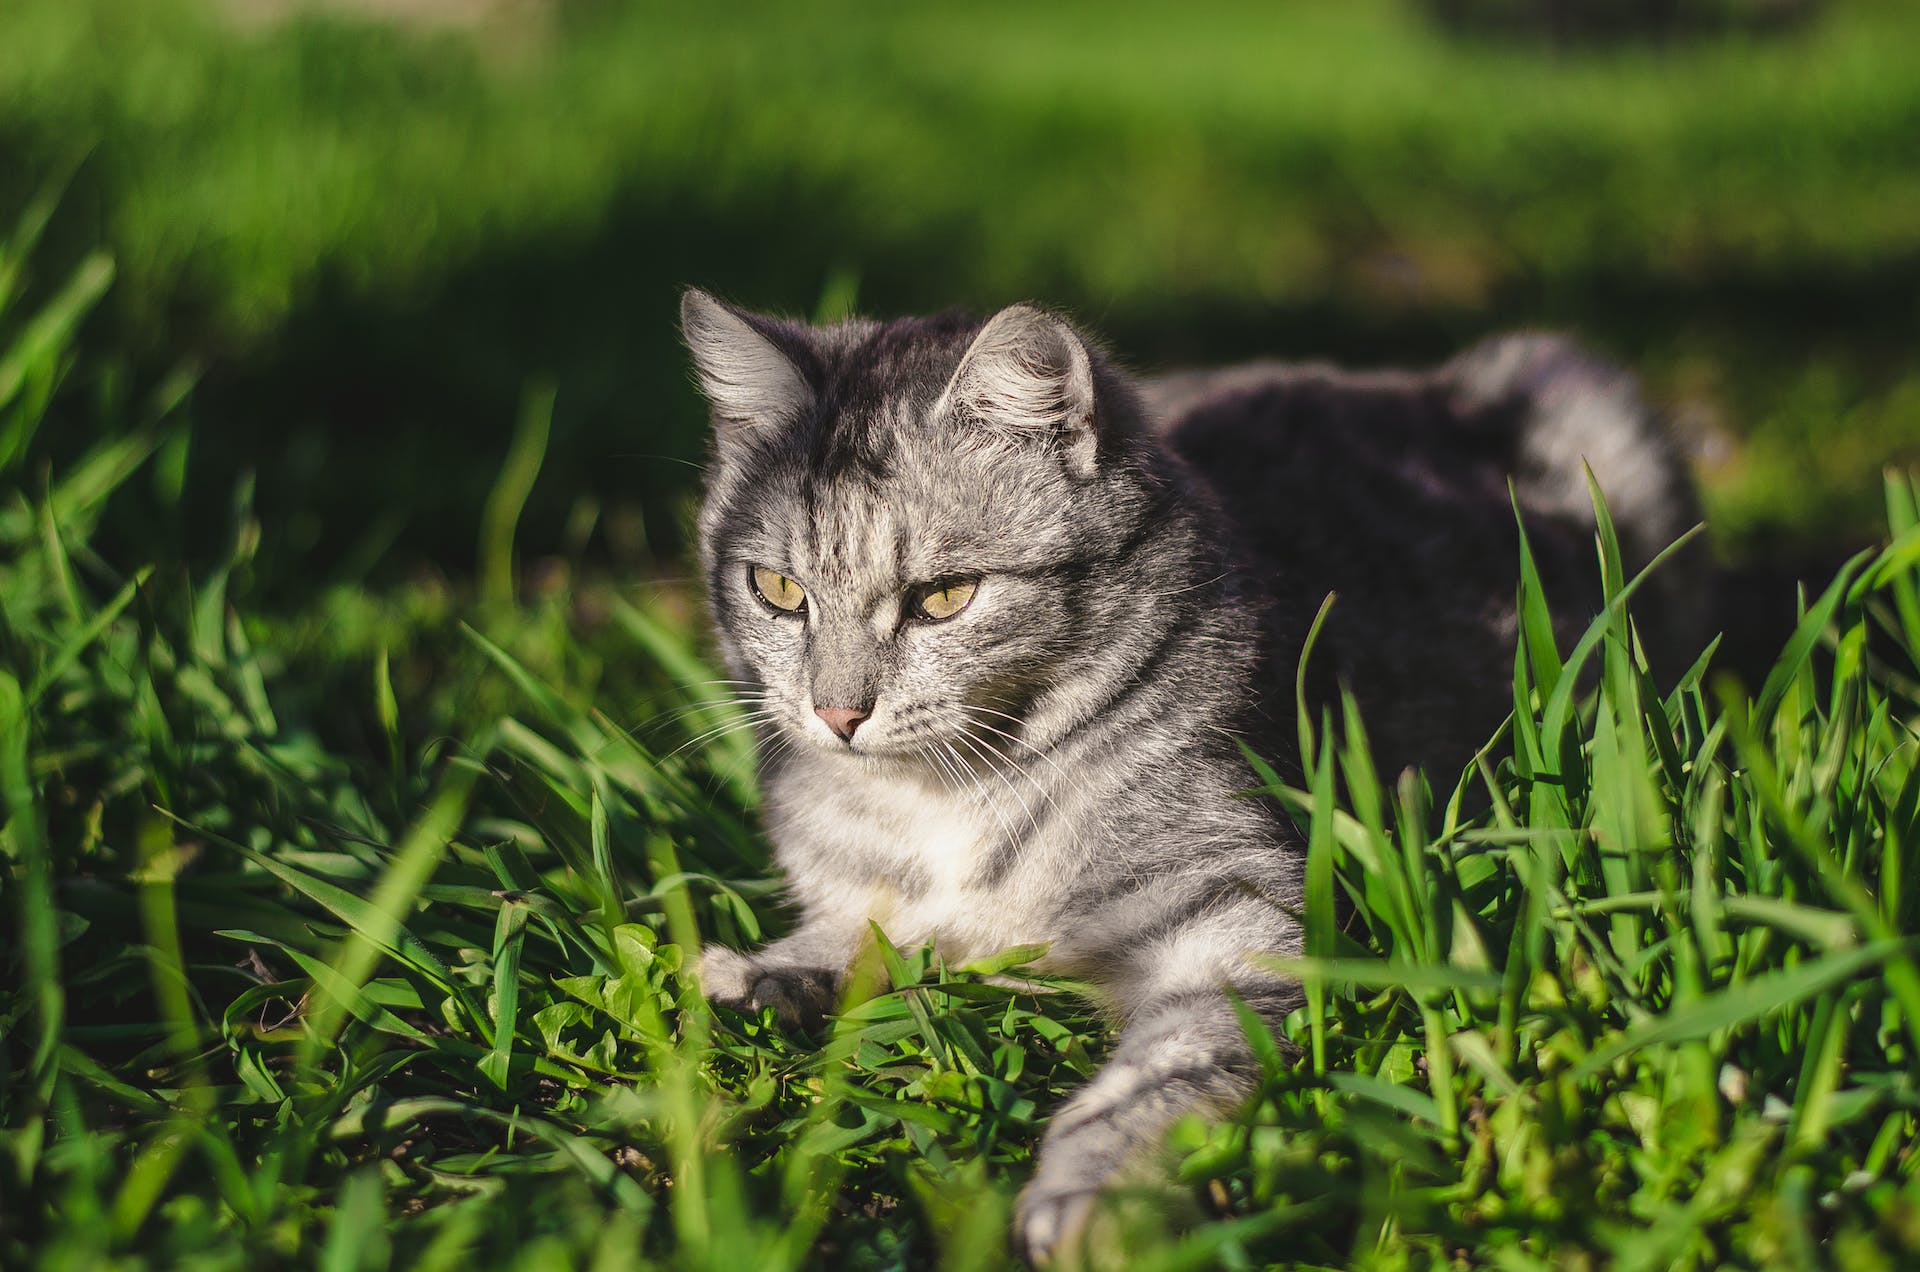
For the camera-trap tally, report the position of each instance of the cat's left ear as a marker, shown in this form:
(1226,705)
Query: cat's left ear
(1028,374)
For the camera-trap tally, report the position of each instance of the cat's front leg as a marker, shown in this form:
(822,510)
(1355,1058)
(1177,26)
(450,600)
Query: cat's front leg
(798,976)
(1182,1052)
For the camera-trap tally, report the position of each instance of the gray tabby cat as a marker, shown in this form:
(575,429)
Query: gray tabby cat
(1006,614)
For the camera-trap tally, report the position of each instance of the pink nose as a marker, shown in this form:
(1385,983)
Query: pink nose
(842,720)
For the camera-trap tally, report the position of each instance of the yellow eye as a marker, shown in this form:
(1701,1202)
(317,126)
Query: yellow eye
(942,600)
(778,590)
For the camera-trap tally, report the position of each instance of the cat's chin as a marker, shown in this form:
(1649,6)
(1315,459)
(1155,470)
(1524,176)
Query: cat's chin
(883,753)
(860,749)
(899,758)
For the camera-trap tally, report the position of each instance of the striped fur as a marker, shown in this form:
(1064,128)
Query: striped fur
(1060,763)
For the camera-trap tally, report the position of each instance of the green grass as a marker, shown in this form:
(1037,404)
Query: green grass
(371,235)
(357,937)
(1254,149)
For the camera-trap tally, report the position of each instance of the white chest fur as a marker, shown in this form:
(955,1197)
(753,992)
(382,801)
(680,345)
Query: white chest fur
(910,853)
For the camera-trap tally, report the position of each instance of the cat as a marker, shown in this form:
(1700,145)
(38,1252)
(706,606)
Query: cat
(1005,615)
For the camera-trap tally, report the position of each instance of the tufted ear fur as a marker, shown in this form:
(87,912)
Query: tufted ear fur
(1028,374)
(748,379)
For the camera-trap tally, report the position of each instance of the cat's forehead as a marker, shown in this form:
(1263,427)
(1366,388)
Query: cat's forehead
(929,506)
(851,539)
(919,514)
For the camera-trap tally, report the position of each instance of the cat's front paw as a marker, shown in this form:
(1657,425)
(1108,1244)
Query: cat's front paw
(726,975)
(799,996)
(1050,1221)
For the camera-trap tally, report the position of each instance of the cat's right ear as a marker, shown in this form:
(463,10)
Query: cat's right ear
(750,381)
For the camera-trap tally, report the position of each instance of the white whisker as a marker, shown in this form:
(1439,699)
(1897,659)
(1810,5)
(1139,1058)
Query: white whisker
(750,720)
(986,756)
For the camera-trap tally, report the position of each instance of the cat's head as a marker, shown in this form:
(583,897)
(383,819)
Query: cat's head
(916,533)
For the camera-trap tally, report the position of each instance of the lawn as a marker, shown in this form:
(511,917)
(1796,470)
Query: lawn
(361,938)
(367,796)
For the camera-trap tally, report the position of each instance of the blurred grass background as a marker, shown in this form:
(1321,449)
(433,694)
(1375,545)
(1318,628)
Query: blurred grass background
(368,226)
(345,452)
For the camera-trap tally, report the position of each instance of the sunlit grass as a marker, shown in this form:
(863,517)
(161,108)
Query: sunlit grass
(362,939)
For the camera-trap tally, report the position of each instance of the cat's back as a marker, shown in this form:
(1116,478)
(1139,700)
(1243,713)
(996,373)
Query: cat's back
(1391,489)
